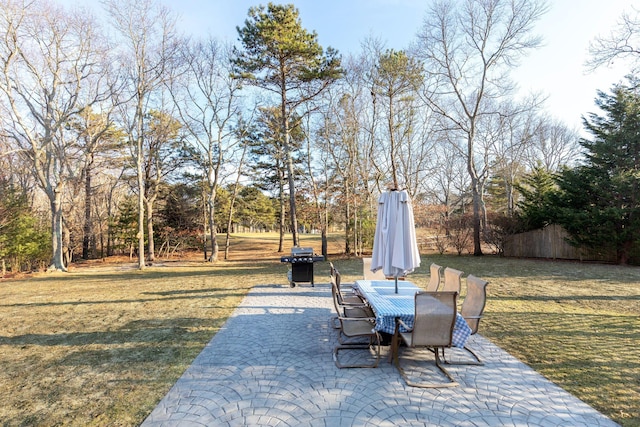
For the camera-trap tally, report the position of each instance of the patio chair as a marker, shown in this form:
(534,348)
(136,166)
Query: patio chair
(472,310)
(345,298)
(354,328)
(435,316)
(368,274)
(343,309)
(434,278)
(452,280)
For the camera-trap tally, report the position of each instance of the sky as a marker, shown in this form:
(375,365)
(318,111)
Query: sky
(556,69)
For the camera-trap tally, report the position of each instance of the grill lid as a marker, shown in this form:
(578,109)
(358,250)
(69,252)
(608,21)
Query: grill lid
(298,251)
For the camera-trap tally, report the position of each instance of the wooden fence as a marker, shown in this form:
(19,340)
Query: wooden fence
(549,242)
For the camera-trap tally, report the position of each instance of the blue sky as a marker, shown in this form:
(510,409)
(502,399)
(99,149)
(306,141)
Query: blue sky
(556,69)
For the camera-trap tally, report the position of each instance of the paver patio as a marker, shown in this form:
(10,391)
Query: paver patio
(271,365)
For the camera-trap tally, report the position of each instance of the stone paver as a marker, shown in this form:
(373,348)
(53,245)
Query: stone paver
(271,365)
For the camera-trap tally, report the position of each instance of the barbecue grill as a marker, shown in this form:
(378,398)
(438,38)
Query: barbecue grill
(301,260)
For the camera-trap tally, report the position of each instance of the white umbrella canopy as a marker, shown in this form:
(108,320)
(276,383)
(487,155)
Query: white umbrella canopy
(395,247)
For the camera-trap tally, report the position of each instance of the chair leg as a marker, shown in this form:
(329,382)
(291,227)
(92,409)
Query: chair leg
(453,382)
(475,362)
(475,356)
(337,349)
(395,344)
(350,342)
(450,383)
(333,322)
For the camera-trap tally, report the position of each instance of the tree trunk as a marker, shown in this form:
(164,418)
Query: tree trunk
(392,150)
(325,226)
(290,170)
(140,235)
(347,215)
(475,192)
(477,222)
(292,197)
(151,246)
(227,242)
(205,221)
(212,225)
(623,252)
(282,215)
(110,217)
(57,263)
(86,238)
(232,203)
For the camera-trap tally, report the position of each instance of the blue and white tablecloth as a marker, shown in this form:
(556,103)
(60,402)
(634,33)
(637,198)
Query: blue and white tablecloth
(389,306)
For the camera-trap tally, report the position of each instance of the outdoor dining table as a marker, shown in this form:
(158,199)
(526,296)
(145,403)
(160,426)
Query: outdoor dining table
(389,306)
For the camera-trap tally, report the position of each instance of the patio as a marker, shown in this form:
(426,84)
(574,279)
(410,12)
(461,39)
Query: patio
(271,365)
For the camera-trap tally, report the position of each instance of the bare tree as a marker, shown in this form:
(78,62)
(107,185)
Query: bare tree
(49,57)
(207,98)
(163,143)
(96,136)
(396,79)
(246,136)
(353,147)
(623,42)
(316,165)
(338,140)
(447,183)
(553,144)
(508,139)
(366,117)
(148,41)
(468,47)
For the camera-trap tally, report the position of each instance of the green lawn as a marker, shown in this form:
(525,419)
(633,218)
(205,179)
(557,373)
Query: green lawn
(101,346)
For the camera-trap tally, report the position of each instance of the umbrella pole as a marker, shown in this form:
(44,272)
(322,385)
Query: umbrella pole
(396,280)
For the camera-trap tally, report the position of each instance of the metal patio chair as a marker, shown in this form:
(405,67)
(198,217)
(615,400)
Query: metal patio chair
(452,280)
(360,309)
(345,298)
(368,274)
(434,277)
(351,330)
(472,311)
(435,316)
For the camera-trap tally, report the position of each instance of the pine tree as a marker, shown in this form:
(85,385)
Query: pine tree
(599,201)
(279,55)
(535,210)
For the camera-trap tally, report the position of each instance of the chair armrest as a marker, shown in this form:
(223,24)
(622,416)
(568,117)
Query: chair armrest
(354,304)
(371,320)
(404,325)
(358,312)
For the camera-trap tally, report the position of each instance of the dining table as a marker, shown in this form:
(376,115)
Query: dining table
(388,306)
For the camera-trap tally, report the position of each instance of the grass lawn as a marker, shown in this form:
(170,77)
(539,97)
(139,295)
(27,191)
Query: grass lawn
(102,344)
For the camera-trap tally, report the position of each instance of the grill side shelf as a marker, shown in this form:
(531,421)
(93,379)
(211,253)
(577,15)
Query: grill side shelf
(301,268)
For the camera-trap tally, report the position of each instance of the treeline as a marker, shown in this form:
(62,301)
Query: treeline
(130,137)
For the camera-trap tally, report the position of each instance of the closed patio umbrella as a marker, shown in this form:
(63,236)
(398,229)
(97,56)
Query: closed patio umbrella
(395,247)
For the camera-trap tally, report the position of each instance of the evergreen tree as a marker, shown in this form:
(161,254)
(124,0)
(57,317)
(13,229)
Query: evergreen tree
(255,209)
(537,189)
(598,202)
(279,55)
(23,239)
(267,158)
